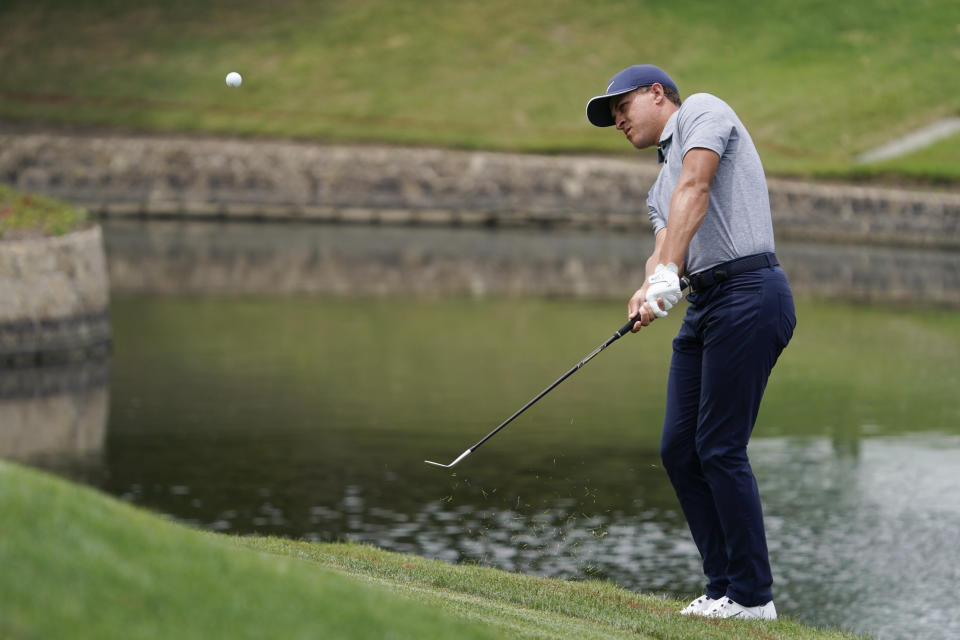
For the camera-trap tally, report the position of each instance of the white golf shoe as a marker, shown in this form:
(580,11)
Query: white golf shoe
(727,608)
(698,607)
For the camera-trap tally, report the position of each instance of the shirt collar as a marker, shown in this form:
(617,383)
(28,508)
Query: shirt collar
(666,136)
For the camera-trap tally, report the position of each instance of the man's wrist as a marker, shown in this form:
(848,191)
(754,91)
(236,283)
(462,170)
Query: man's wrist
(670,266)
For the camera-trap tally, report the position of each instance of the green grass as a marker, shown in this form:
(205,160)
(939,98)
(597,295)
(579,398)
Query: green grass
(24,214)
(816,82)
(932,165)
(79,564)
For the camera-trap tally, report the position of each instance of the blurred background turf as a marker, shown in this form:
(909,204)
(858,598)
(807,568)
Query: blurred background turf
(817,82)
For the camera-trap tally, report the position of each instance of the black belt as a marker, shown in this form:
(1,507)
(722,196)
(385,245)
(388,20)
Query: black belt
(715,275)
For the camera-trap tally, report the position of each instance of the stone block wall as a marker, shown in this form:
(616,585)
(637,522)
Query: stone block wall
(839,240)
(54,298)
(196,177)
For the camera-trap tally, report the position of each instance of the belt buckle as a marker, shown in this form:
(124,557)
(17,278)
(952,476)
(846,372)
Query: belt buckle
(696,282)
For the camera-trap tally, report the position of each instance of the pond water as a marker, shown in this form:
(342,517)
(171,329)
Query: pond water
(311,418)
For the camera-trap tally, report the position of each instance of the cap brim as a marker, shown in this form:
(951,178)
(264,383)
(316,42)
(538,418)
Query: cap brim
(598,109)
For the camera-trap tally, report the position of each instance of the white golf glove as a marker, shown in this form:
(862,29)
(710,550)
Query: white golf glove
(665,285)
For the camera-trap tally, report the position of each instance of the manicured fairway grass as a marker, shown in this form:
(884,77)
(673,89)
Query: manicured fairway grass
(78,564)
(816,82)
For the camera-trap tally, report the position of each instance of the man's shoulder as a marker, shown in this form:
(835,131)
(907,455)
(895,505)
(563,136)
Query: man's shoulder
(703,102)
(705,111)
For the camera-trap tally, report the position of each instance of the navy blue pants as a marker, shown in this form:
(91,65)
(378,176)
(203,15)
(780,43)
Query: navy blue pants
(731,337)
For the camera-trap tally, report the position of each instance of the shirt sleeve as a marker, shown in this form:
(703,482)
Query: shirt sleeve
(705,123)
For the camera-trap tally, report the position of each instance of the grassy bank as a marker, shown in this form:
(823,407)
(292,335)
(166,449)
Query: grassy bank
(29,215)
(81,565)
(817,82)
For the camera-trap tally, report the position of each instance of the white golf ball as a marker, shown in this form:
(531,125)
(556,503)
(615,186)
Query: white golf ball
(234,79)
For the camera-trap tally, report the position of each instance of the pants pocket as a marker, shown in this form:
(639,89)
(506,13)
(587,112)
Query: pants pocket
(788,319)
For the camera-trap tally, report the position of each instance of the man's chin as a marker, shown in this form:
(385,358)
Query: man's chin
(638,143)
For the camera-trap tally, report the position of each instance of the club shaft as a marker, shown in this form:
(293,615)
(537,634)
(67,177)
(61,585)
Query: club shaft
(556,382)
(684,283)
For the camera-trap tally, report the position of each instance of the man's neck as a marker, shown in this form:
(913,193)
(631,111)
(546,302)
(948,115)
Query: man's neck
(668,110)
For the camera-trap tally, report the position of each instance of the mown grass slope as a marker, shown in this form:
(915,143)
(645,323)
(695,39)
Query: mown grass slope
(79,564)
(817,82)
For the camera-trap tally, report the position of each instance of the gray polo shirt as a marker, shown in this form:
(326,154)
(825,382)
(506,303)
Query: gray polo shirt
(738,221)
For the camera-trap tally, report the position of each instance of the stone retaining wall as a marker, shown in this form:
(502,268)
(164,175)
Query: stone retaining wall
(434,209)
(54,298)
(194,177)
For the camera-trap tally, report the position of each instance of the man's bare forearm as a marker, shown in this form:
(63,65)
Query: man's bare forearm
(654,258)
(688,206)
(687,210)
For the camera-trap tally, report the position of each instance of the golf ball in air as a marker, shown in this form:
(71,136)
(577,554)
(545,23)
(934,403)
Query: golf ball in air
(234,79)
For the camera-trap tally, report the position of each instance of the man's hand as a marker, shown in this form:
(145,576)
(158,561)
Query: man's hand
(636,308)
(663,288)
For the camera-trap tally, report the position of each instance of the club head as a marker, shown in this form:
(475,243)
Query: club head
(447,466)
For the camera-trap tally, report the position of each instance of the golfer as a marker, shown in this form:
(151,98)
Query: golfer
(711,219)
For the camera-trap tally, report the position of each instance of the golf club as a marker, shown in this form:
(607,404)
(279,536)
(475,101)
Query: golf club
(622,331)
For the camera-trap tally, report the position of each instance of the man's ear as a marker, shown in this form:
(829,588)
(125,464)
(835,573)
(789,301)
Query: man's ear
(658,94)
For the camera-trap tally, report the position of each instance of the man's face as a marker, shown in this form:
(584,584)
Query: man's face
(634,113)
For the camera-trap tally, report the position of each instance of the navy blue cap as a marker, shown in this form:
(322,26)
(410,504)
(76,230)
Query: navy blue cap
(639,75)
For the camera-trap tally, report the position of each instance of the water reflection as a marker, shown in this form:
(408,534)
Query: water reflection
(852,534)
(55,416)
(300,258)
